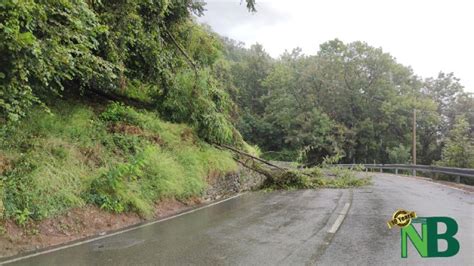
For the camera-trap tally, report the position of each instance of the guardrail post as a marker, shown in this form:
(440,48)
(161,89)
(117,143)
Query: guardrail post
(458,179)
(396,171)
(381,170)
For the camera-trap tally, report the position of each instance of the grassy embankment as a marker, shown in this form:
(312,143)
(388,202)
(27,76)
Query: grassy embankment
(120,159)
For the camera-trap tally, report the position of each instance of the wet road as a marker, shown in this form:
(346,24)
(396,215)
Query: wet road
(287,228)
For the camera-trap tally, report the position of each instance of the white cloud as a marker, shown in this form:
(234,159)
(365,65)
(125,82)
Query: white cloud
(429,35)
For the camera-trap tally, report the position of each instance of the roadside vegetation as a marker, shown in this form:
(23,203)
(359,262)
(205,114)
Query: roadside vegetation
(316,177)
(61,148)
(351,99)
(122,159)
(120,104)
(325,175)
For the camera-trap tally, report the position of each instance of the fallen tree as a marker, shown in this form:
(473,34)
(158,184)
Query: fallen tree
(278,177)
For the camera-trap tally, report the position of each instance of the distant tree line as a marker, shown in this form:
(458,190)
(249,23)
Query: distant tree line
(349,99)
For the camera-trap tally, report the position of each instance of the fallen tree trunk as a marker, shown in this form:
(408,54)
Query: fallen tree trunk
(251,156)
(276,176)
(256,169)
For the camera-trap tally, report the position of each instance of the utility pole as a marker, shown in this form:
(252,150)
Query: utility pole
(414,140)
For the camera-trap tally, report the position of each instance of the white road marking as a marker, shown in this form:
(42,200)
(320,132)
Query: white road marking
(339,219)
(118,232)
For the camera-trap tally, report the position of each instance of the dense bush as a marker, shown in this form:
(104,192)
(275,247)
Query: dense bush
(459,148)
(45,45)
(131,48)
(400,154)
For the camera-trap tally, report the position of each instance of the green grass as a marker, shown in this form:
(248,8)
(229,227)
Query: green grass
(252,149)
(121,160)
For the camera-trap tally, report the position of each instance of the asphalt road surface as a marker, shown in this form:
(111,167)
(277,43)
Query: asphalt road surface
(326,227)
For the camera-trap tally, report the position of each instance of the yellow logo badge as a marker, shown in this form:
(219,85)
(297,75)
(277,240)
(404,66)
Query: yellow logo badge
(401,218)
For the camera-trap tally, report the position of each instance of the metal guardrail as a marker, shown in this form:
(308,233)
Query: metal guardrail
(457,172)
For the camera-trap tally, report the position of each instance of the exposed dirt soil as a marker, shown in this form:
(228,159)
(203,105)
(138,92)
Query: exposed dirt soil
(125,129)
(4,164)
(188,135)
(92,156)
(76,224)
(134,130)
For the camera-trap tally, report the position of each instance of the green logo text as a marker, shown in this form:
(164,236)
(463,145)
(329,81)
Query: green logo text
(427,243)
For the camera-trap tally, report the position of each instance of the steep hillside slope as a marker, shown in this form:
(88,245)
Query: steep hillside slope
(120,159)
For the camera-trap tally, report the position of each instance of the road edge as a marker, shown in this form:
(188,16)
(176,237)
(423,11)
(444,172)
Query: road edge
(47,250)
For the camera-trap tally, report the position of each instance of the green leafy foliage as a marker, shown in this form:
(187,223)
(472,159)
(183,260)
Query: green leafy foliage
(350,103)
(43,46)
(122,159)
(349,99)
(316,177)
(118,112)
(200,103)
(459,148)
(400,154)
(129,48)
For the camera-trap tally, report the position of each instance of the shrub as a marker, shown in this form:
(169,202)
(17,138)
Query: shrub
(400,154)
(459,148)
(198,100)
(119,112)
(119,47)
(43,45)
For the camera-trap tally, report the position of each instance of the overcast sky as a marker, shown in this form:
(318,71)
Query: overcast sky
(430,36)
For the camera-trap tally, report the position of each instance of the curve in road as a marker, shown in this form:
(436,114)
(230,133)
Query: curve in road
(324,226)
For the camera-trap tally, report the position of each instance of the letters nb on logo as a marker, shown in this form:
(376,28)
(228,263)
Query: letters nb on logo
(427,243)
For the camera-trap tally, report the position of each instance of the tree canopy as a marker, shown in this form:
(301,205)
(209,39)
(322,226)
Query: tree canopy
(349,99)
(130,48)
